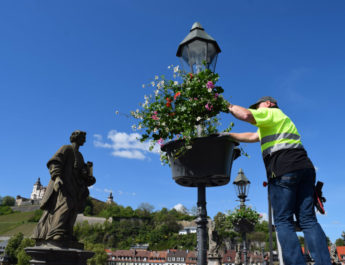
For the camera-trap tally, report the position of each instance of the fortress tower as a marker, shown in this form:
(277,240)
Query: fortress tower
(37,191)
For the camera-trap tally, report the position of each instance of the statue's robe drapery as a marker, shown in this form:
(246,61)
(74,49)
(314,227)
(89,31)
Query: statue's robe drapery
(62,206)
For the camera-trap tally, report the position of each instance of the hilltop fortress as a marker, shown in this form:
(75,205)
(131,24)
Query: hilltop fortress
(35,197)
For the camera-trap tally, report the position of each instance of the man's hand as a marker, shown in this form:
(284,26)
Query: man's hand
(58,184)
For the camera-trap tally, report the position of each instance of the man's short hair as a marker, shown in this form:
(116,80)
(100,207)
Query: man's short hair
(264,99)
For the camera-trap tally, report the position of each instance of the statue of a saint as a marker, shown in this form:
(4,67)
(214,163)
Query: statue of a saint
(66,193)
(213,241)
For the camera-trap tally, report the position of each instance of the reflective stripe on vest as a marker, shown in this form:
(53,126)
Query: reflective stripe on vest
(279,136)
(281,146)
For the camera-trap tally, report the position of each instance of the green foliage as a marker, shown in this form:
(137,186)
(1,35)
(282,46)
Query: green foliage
(146,207)
(177,109)
(339,242)
(12,247)
(36,216)
(115,210)
(5,210)
(100,257)
(22,257)
(241,213)
(8,201)
(158,229)
(94,207)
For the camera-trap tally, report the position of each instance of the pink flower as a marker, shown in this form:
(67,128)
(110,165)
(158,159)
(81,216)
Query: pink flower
(154,116)
(210,84)
(216,95)
(160,141)
(208,107)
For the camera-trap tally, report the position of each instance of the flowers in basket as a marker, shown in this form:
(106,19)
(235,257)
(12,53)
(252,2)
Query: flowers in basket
(243,214)
(183,108)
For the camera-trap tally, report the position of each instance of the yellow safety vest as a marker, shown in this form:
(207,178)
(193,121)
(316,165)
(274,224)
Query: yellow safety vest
(276,131)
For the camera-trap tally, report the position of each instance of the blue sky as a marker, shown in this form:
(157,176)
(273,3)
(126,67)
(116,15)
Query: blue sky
(67,65)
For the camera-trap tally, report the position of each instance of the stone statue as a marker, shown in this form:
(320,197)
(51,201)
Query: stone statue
(66,193)
(214,241)
(238,256)
(334,254)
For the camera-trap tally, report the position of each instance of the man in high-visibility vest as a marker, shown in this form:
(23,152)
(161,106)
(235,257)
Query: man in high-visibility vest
(291,179)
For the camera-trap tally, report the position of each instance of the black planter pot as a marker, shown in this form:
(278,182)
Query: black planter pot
(208,162)
(244,226)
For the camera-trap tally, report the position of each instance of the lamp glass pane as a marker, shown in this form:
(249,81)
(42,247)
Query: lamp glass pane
(193,54)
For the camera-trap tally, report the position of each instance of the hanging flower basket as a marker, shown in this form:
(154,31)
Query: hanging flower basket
(181,110)
(208,162)
(244,226)
(243,219)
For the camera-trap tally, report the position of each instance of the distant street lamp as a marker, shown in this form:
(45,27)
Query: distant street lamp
(197,51)
(242,188)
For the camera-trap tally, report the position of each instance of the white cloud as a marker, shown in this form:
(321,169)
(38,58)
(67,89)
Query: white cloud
(120,193)
(125,145)
(264,217)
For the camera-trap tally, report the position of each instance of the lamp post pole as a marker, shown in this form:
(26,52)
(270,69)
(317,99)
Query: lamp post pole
(201,226)
(242,188)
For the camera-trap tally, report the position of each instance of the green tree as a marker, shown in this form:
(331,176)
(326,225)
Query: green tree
(5,210)
(22,257)
(339,242)
(146,207)
(8,201)
(100,257)
(12,247)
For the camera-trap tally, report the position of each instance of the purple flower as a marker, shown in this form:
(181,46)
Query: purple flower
(210,84)
(216,95)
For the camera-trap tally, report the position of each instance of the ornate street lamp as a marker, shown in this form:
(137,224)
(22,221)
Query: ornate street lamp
(242,188)
(198,48)
(197,51)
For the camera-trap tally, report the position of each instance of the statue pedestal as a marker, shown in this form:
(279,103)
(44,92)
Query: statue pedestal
(58,256)
(214,260)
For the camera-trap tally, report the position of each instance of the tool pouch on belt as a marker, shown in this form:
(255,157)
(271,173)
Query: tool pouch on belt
(318,199)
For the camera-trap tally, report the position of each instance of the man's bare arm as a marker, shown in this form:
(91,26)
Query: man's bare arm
(241,113)
(246,137)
